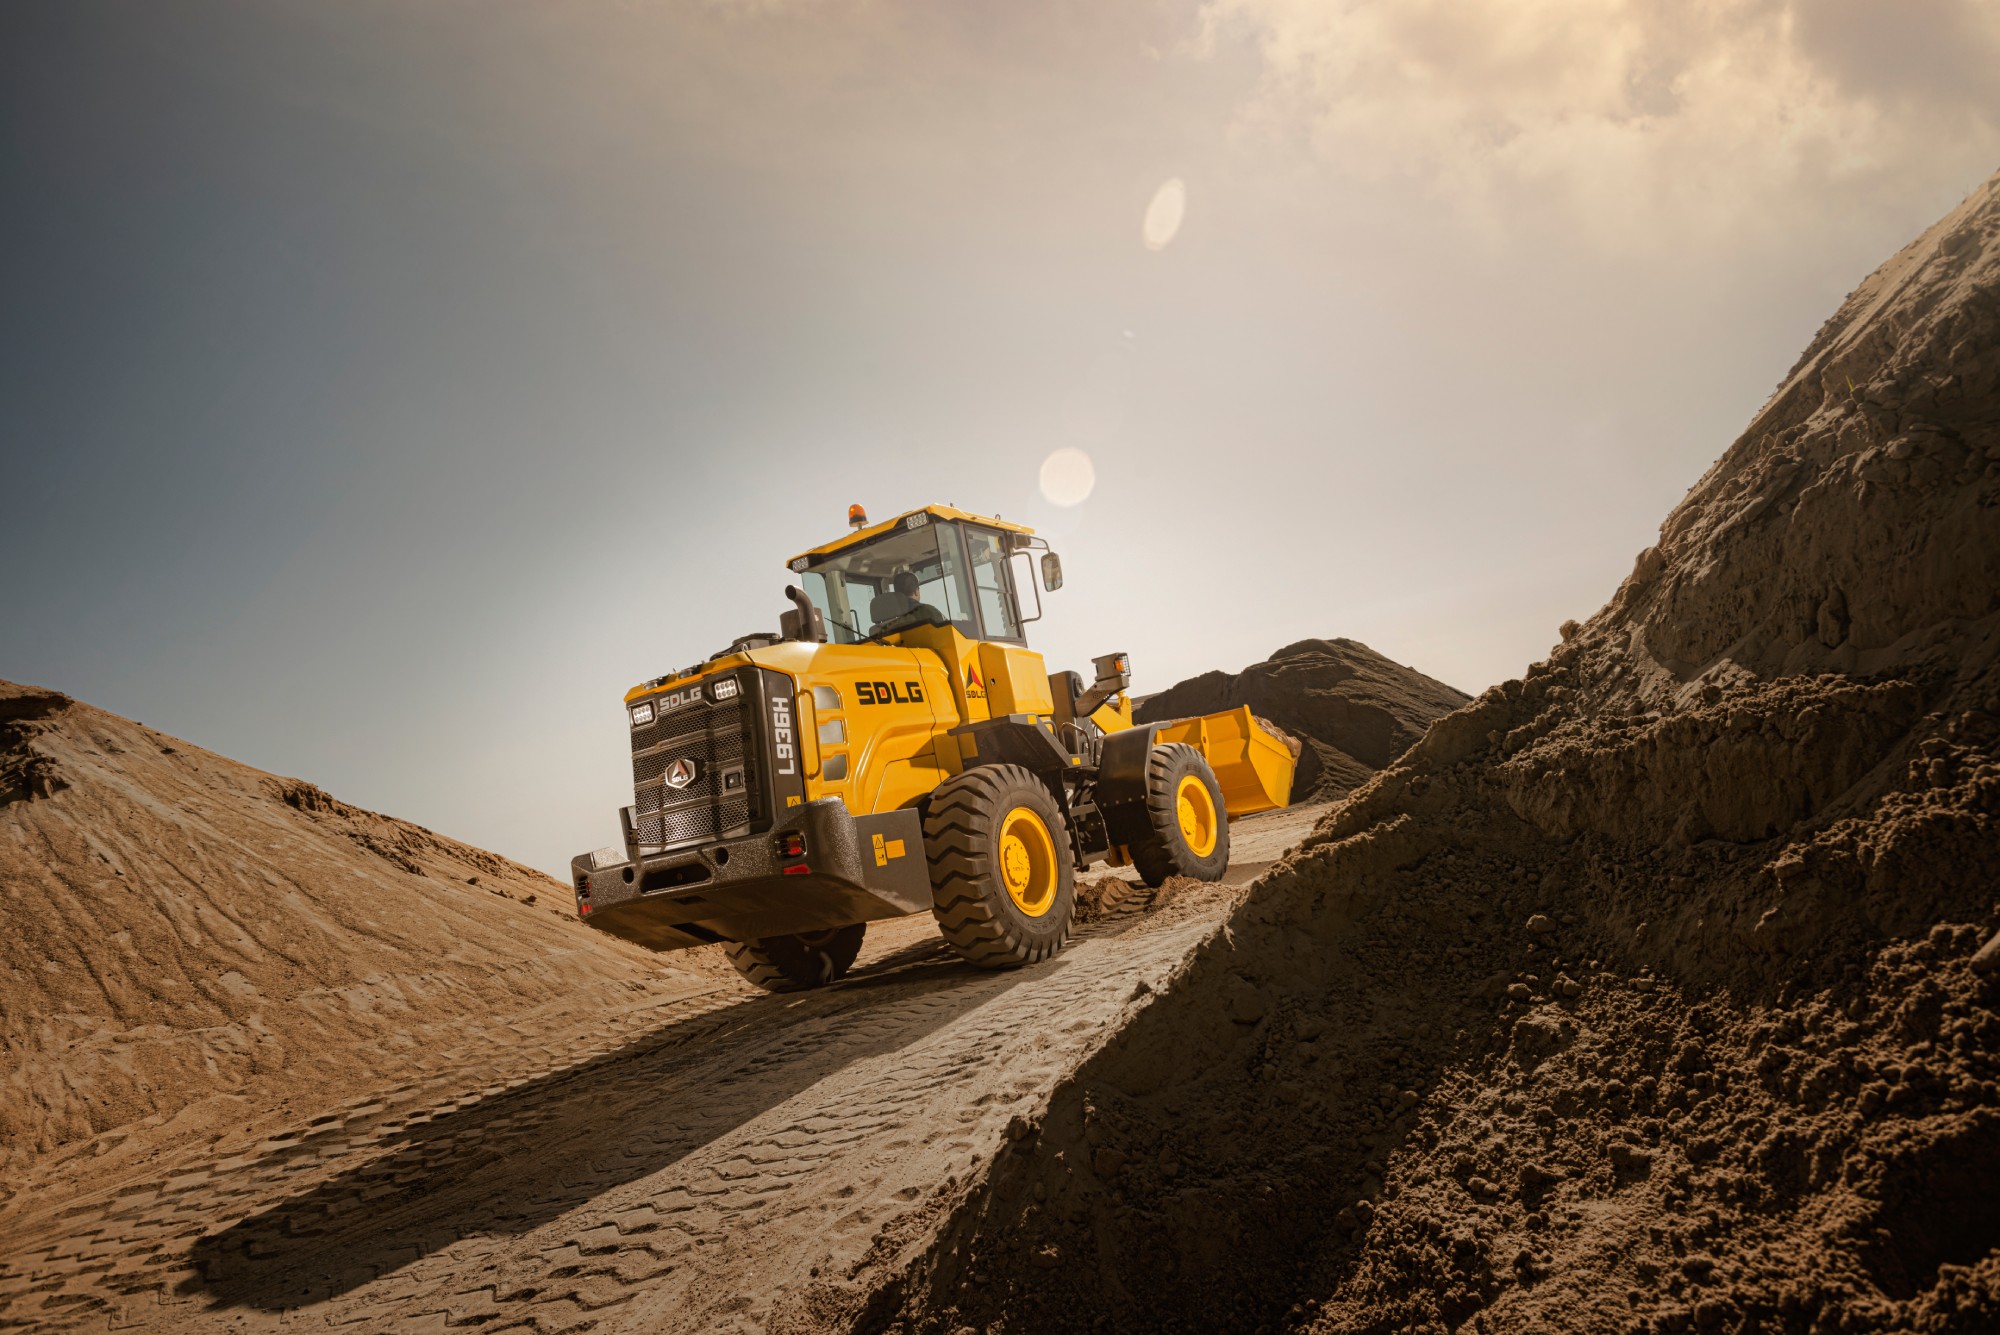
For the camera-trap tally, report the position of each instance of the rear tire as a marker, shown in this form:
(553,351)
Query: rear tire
(796,962)
(1190,824)
(1003,879)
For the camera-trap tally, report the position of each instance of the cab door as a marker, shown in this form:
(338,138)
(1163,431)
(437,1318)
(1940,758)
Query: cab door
(993,584)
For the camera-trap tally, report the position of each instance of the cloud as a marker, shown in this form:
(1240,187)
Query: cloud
(1640,120)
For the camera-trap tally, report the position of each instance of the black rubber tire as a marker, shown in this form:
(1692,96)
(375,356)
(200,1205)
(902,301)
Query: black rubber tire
(969,898)
(1166,853)
(797,962)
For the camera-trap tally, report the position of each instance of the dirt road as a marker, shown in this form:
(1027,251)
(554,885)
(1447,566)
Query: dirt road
(717,1160)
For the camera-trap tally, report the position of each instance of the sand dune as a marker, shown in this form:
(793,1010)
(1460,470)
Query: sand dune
(189,938)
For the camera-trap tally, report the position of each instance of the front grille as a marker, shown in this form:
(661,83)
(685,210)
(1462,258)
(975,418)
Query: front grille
(716,738)
(706,821)
(710,762)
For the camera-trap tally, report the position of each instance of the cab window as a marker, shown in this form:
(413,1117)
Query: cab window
(906,578)
(992,583)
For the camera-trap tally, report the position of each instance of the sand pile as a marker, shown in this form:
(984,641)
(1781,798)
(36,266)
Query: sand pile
(189,939)
(1655,991)
(1351,710)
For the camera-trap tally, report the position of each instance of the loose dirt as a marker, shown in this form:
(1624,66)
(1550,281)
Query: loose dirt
(1347,710)
(714,1160)
(1654,991)
(274,1059)
(193,944)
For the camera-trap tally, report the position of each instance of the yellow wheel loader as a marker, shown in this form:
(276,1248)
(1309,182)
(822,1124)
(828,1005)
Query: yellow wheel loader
(896,747)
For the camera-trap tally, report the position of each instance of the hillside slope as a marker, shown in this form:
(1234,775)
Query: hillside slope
(1654,991)
(1352,710)
(187,936)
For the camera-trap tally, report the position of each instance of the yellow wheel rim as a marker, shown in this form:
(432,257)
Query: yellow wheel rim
(1196,810)
(1028,862)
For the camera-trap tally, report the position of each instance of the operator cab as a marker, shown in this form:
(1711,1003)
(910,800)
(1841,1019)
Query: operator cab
(931,567)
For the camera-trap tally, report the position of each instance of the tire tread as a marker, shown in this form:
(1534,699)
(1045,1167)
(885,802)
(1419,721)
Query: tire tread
(964,879)
(1166,853)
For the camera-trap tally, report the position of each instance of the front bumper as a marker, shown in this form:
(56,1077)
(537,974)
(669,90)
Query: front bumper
(853,869)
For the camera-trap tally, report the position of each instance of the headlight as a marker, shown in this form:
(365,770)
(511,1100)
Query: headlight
(727,688)
(642,714)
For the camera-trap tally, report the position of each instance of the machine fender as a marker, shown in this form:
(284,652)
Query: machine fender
(892,857)
(1020,739)
(1121,783)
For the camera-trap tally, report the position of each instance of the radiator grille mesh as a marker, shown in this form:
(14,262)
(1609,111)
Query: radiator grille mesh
(715,738)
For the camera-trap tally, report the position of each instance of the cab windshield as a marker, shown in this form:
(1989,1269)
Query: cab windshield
(910,577)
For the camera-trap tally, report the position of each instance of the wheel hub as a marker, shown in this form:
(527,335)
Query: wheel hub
(1195,810)
(1027,857)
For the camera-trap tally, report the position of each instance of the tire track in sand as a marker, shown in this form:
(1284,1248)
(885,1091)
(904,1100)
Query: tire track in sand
(735,1150)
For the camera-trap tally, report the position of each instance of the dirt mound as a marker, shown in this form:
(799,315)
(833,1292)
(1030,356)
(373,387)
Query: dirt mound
(1351,710)
(717,1159)
(189,938)
(1654,991)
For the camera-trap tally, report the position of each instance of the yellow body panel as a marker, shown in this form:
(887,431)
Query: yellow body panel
(968,684)
(874,746)
(805,709)
(1114,715)
(1253,767)
(869,718)
(1017,681)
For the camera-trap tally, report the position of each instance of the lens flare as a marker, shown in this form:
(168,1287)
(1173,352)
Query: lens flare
(1164,214)
(1068,477)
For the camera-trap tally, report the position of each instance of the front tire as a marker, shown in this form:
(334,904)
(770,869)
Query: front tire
(799,961)
(1190,823)
(1003,882)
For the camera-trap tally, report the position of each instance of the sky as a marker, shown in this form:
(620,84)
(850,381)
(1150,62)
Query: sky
(385,388)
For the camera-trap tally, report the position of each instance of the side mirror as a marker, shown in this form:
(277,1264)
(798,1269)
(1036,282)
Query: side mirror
(1051,571)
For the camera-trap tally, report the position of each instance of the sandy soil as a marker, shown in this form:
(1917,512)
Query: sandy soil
(683,1154)
(1653,992)
(193,944)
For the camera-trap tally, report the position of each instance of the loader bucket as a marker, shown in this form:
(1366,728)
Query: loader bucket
(1253,767)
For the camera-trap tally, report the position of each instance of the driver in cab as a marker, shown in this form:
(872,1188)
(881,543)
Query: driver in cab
(900,605)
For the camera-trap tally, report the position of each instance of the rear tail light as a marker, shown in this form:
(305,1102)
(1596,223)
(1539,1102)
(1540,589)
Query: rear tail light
(791,844)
